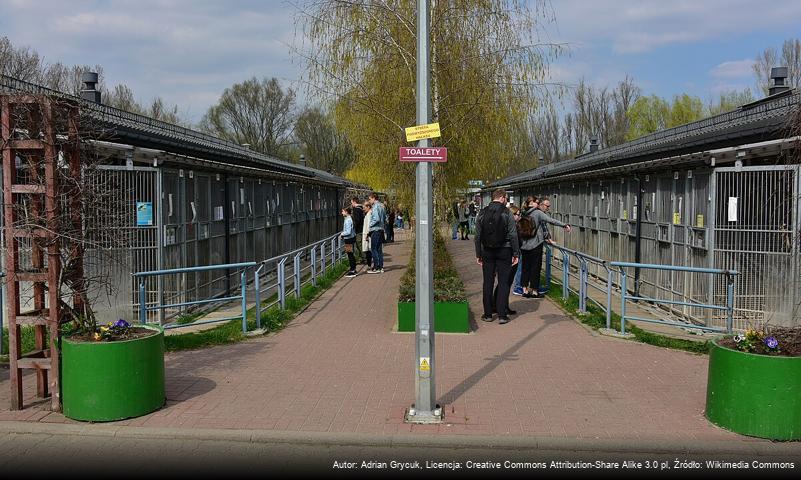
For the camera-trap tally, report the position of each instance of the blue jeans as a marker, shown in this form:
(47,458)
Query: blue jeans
(455,230)
(516,283)
(377,248)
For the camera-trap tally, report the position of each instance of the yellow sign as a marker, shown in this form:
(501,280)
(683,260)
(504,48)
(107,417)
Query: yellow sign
(699,221)
(625,215)
(425,364)
(676,218)
(421,132)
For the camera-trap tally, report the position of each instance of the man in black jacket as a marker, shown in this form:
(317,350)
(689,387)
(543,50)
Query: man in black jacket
(358,223)
(497,250)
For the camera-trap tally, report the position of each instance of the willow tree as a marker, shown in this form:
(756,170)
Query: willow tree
(488,76)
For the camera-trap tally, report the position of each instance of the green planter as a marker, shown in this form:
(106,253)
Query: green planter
(448,317)
(106,381)
(756,395)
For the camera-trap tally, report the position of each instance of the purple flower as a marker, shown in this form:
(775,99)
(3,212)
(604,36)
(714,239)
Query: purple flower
(771,342)
(121,324)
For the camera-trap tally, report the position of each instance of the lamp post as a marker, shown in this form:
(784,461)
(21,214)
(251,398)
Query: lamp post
(425,409)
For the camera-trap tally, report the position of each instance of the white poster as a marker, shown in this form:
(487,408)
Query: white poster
(732,209)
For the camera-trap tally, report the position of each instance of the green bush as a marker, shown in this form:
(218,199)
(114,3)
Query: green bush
(448,286)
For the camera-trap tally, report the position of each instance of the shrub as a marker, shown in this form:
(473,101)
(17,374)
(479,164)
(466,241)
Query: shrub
(448,286)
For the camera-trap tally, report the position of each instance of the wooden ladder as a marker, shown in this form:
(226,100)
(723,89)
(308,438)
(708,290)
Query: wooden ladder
(34,202)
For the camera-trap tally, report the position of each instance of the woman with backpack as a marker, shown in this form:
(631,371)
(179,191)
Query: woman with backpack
(533,233)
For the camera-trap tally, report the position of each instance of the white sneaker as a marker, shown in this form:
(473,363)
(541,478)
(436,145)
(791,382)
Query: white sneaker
(373,270)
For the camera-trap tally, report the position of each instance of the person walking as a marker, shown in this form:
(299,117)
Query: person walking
(349,239)
(368,256)
(463,218)
(390,226)
(497,250)
(455,218)
(533,246)
(357,213)
(378,220)
(472,218)
(514,273)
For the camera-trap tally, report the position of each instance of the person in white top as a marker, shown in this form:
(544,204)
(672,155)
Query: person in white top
(368,257)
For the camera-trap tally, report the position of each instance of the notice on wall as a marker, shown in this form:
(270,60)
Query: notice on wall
(625,215)
(144,214)
(676,218)
(219,214)
(699,221)
(732,209)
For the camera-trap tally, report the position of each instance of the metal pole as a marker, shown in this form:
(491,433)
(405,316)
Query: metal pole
(257,287)
(548,261)
(608,297)
(582,285)
(142,302)
(425,409)
(282,283)
(322,257)
(297,275)
(565,275)
(622,300)
(729,302)
(314,266)
(243,285)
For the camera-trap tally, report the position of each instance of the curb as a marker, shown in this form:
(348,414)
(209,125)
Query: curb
(754,447)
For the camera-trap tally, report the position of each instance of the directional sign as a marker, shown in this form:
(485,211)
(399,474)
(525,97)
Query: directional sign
(420,154)
(422,131)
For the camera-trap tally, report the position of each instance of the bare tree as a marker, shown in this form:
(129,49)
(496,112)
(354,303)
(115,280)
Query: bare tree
(257,112)
(790,57)
(324,145)
(19,62)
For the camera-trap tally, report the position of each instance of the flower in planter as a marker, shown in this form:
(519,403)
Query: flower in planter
(738,338)
(772,343)
(121,324)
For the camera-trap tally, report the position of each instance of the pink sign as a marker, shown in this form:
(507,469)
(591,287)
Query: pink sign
(417,154)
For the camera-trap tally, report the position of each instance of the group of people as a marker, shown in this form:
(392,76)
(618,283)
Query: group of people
(463,218)
(509,245)
(366,228)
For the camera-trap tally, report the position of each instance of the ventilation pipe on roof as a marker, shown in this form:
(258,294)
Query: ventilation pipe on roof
(593,143)
(779,76)
(303,159)
(89,91)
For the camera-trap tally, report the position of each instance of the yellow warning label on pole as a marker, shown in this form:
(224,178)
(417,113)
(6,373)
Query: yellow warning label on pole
(425,364)
(420,132)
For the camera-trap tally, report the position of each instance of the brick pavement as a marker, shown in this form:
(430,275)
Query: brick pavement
(338,367)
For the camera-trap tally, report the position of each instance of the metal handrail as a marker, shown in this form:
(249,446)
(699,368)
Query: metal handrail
(143,308)
(584,284)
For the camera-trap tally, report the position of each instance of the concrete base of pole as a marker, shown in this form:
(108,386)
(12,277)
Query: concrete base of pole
(614,333)
(423,417)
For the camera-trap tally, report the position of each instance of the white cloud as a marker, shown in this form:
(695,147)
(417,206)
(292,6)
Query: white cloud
(733,69)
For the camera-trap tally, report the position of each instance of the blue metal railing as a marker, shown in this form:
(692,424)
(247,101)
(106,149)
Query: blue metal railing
(318,263)
(144,308)
(582,276)
(624,294)
(321,259)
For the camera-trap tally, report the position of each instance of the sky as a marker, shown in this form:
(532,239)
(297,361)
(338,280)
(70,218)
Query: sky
(189,51)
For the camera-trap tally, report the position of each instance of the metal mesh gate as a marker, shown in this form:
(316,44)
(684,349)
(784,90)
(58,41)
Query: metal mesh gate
(756,233)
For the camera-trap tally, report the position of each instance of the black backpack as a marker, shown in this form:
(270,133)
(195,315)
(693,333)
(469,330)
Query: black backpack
(358,219)
(493,226)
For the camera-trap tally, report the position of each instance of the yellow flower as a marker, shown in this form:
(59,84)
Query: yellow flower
(97,336)
(104,329)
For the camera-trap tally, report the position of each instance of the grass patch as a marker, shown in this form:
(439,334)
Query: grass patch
(596,319)
(272,319)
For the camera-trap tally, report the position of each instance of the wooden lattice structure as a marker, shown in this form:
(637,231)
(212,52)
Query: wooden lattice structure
(35,156)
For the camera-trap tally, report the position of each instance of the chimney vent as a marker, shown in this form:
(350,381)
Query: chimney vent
(593,143)
(90,91)
(778,75)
